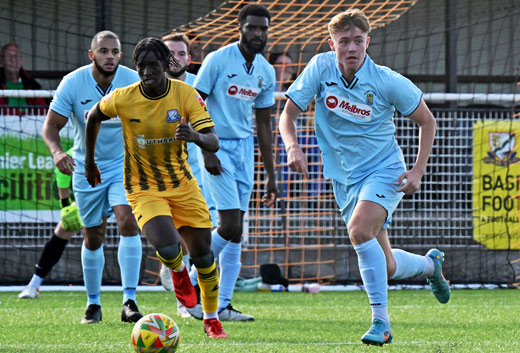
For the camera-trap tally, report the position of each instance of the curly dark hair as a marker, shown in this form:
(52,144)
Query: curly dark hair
(156,46)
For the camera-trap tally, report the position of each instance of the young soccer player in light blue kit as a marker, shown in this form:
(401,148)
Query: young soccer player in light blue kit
(75,95)
(237,79)
(355,104)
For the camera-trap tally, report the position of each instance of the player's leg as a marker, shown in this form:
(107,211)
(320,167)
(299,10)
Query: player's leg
(93,262)
(94,209)
(232,207)
(365,223)
(129,257)
(198,241)
(167,282)
(50,255)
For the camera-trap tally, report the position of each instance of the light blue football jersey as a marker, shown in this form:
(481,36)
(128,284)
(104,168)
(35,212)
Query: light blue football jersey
(354,121)
(193,159)
(234,90)
(75,95)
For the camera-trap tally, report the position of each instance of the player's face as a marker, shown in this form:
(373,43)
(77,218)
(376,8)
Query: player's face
(151,71)
(350,47)
(253,33)
(106,55)
(179,51)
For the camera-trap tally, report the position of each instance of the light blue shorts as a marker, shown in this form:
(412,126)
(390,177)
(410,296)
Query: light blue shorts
(196,162)
(233,187)
(96,203)
(379,187)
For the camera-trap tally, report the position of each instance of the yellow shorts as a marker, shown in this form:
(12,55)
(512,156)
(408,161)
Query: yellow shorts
(184,204)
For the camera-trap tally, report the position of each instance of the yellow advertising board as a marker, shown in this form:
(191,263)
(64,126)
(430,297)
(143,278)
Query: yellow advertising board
(496,184)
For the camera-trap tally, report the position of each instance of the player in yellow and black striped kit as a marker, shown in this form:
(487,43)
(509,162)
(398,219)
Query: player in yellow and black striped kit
(158,117)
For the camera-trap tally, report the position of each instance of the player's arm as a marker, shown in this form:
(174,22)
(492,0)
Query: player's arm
(54,122)
(264,132)
(94,119)
(427,126)
(296,159)
(205,138)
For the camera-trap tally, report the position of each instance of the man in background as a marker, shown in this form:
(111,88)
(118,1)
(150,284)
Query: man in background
(76,94)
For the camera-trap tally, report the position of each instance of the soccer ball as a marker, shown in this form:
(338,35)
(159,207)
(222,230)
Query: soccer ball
(155,333)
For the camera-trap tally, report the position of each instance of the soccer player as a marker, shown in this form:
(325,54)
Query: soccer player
(234,80)
(69,225)
(179,45)
(355,104)
(158,116)
(76,94)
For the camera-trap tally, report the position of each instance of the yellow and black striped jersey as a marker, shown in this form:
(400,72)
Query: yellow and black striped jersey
(154,160)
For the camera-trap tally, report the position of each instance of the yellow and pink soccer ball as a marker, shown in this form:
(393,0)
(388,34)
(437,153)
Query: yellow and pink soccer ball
(156,333)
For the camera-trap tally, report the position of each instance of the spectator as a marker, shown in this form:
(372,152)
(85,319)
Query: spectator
(283,67)
(13,76)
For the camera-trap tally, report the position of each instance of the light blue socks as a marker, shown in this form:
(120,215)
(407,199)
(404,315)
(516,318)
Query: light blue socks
(93,263)
(372,266)
(408,265)
(129,255)
(229,269)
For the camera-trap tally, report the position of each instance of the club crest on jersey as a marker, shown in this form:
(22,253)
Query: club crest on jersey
(173,116)
(346,108)
(260,81)
(242,92)
(370,97)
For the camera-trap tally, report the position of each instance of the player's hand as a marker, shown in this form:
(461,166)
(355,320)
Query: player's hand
(93,175)
(70,219)
(212,163)
(185,131)
(270,197)
(64,162)
(297,161)
(409,182)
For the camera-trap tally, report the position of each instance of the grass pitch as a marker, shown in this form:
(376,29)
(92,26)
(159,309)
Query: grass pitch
(473,321)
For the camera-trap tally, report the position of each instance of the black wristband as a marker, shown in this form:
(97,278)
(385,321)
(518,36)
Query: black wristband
(65,202)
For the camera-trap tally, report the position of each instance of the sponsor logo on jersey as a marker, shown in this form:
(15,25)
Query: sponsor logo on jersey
(242,92)
(201,101)
(142,142)
(173,116)
(345,107)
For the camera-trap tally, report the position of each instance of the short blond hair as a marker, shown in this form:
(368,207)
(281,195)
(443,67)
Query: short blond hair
(348,19)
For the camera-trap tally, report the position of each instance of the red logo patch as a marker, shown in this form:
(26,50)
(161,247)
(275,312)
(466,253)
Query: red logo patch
(332,102)
(232,90)
(201,101)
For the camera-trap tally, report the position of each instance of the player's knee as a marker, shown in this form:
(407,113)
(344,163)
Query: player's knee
(62,233)
(204,261)
(94,237)
(358,234)
(127,225)
(231,232)
(170,252)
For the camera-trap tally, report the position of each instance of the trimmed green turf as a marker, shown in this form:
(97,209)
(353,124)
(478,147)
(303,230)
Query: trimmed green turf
(473,321)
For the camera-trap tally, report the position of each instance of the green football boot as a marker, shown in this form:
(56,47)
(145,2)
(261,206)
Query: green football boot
(440,285)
